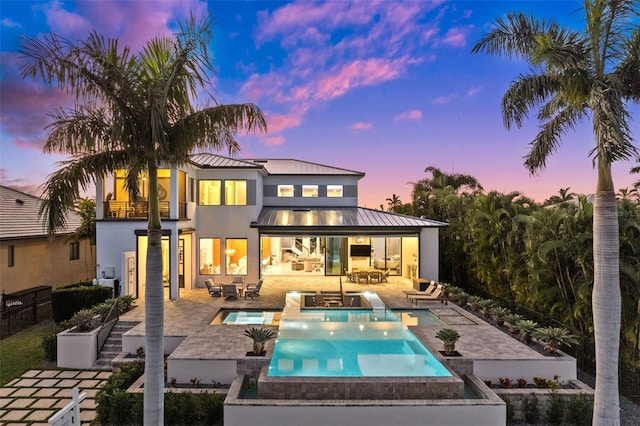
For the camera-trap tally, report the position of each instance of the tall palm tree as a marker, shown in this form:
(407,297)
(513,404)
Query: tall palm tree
(393,202)
(134,113)
(440,180)
(576,75)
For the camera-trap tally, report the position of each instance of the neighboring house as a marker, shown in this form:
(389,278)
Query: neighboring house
(223,217)
(29,257)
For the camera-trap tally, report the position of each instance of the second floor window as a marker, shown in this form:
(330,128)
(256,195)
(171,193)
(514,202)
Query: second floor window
(210,192)
(309,190)
(74,250)
(235,192)
(285,190)
(12,252)
(334,191)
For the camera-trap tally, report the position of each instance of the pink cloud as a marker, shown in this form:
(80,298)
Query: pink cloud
(19,184)
(457,36)
(274,140)
(133,23)
(279,122)
(474,91)
(358,73)
(414,114)
(441,100)
(360,126)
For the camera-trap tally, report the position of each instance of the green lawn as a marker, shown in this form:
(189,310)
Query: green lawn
(23,351)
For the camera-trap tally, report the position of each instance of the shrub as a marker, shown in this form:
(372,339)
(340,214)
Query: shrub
(522,382)
(67,301)
(555,409)
(50,343)
(114,392)
(510,408)
(531,409)
(84,320)
(580,410)
(117,407)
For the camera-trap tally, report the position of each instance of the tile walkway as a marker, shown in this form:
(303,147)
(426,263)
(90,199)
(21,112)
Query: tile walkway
(36,395)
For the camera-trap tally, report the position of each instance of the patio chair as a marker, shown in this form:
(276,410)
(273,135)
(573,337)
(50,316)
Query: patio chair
(214,289)
(375,275)
(385,275)
(362,276)
(229,291)
(427,291)
(253,290)
(436,295)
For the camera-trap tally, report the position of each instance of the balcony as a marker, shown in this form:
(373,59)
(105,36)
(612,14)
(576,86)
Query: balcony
(135,210)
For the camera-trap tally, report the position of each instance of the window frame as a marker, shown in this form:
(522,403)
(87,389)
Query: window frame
(331,188)
(74,250)
(228,245)
(233,187)
(283,191)
(313,188)
(11,256)
(202,270)
(201,192)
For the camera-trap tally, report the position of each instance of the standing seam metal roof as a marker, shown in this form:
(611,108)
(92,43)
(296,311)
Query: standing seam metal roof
(352,217)
(271,166)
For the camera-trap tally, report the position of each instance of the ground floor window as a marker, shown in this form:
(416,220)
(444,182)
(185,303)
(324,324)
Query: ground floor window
(236,256)
(74,250)
(210,255)
(337,255)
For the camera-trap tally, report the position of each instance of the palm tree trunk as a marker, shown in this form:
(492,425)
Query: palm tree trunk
(607,304)
(154,312)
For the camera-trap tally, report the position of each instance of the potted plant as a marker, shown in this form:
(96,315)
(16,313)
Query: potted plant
(260,336)
(526,327)
(473,302)
(83,320)
(486,305)
(554,337)
(449,337)
(512,322)
(498,313)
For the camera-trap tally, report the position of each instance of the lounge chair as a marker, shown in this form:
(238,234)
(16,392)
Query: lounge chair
(253,290)
(430,289)
(229,291)
(436,295)
(214,289)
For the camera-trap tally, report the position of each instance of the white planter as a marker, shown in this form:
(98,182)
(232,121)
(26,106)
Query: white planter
(77,349)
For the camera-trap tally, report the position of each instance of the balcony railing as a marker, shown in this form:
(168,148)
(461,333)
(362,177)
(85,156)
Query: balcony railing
(132,210)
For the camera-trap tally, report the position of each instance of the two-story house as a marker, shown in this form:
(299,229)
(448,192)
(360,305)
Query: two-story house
(224,217)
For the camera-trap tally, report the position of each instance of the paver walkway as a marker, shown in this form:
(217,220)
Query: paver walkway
(35,396)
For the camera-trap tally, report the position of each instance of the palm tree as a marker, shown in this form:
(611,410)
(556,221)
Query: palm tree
(394,202)
(86,208)
(440,180)
(573,76)
(137,115)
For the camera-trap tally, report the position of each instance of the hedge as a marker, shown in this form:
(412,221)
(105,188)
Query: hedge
(66,301)
(117,407)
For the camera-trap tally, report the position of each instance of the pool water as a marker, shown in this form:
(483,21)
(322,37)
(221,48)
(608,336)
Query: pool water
(349,343)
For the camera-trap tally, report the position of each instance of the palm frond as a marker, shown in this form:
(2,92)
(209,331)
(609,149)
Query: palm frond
(216,127)
(614,141)
(548,139)
(63,187)
(627,73)
(524,94)
(513,37)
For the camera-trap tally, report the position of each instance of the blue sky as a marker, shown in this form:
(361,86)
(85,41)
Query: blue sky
(386,88)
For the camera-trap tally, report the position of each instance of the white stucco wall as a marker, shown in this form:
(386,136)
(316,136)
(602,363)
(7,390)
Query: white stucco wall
(429,254)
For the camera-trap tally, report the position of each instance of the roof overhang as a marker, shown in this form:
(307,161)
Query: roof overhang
(339,221)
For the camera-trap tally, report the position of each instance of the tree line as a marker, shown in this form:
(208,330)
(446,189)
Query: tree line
(535,255)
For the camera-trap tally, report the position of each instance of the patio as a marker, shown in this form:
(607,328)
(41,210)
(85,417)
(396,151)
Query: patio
(192,342)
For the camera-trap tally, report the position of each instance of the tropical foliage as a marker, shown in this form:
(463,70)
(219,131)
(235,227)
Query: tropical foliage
(534,256)
(576,76)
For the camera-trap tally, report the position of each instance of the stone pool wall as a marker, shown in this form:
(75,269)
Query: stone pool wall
(359,388)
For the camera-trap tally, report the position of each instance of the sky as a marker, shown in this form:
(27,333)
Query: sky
(385,88)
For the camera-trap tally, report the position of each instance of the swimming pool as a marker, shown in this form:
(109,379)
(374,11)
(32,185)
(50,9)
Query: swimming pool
(349,343)
(236,317)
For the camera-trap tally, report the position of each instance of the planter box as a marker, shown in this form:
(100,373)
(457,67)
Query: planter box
(80,349)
